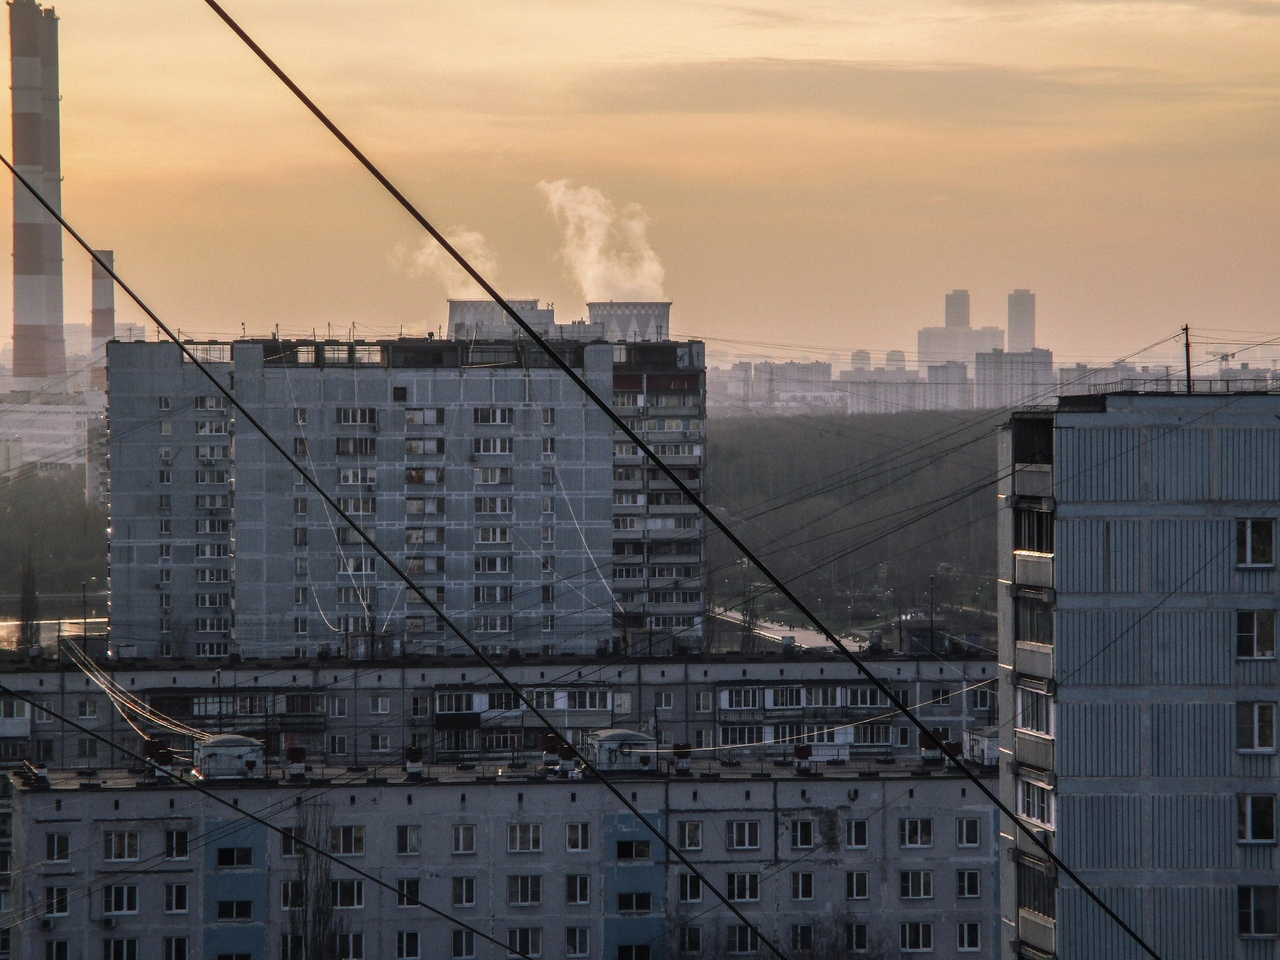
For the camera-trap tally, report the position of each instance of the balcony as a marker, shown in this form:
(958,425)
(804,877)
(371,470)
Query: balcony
(1033,569)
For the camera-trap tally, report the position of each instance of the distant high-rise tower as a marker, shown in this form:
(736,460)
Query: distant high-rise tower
(958,309)
(1022,321)
(38,347)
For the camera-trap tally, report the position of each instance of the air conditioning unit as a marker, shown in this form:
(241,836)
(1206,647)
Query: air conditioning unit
(46,923)
(166,461)
(109,923)
(370,488)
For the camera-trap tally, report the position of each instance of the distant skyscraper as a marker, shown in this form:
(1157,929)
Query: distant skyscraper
(1022,321)
(38,347)
(958,310)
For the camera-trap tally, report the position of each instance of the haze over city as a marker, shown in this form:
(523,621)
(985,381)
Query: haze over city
(799,174)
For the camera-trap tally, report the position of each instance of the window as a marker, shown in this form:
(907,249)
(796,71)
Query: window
(968,937)
(174,948)
(464,891)
(347,894)
(1255,543)
(120,845)
(634,849)
(176,844)
(705,701)
(57,901)
(120,898)
(1033,530)
(743,698)
(915,884)
(348,841)
(857,885)
(524,891)
(524,940)
(743,886)
(57,846)
(916,937)
(633,951)
(548,446)
(742,835)
(856,834)
(464,838)
(86,709)
(856,939)
(1256,818)
(290,842)
(409,840)
(740,938)
(486,416)
(689,834)
(119,949)
(915,833)
(524,838)
(1256,726)
(234,910)
(690,888)
(577,888)
(350,946)
(235,856)
(1032,621)
(577,941)
(486,445)
(968,832)
(1256,634)
(802,937)
(464,945)
(635,902)
(338,744)
(1035,802)
(579,834)
(801,886)
(1035,711)
(424,418)
(407,945)
(801,834)
(690,940)
(292,895)
(1258,916)
(968,883)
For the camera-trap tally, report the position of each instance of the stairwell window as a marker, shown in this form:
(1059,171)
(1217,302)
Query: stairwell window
(1258,915)
(1256,818)
(1256,634)
(1255,543)
(1256,727)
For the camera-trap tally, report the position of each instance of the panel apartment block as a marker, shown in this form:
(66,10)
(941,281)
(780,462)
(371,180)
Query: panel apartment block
(1137,643)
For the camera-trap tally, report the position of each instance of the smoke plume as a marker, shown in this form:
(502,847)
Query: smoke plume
(605,248)
(430,257)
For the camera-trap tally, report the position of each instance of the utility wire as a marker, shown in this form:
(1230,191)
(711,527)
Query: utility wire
(631,434)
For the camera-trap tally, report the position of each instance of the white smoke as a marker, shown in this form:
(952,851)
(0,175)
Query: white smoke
(430,257)
(606,249)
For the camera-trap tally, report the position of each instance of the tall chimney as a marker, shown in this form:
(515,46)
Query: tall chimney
(38,346)
(104,317)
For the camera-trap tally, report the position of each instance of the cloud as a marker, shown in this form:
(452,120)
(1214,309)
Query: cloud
(605,248)
(430,258)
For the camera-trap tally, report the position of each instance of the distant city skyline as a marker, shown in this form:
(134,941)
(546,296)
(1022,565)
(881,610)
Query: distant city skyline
(780,164)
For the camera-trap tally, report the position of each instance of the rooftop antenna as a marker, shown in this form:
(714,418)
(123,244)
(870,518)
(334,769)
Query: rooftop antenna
(242,330)
(1186,342)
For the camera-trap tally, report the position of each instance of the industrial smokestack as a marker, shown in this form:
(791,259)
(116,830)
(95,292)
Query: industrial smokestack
(38,346)
(104,317)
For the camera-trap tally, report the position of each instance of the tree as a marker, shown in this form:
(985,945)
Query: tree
(314,925)
(28,608)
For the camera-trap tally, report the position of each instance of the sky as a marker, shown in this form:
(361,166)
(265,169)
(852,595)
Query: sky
(799,178)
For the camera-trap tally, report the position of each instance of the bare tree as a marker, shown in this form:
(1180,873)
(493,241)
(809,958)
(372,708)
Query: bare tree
(314,925)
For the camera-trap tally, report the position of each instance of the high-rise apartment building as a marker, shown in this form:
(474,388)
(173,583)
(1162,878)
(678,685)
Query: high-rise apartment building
(1022,321)
(1137,643)
(478,466)
(1012,379)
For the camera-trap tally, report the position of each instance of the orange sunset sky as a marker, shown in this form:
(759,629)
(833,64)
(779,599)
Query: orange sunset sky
(812,177)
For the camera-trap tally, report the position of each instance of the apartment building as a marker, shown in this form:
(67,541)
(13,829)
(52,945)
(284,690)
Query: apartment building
(478,466)
(1137,650)
(828,863)
(747,710)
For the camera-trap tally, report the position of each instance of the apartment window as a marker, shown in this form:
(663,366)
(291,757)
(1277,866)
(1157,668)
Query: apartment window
(578,834)
(743,886)
(690,940)
(1255,543)
(346,841)
(705,701)
(57,846)
(1035,711)
(427,417)
(464,838)
(857,885)
(409,840)
(802,937)
(524,891)
(235,856)
(1032,621)
(968,883)
(1035,802)
(338,744)
(1256,726)
(801,834)
(1033,531)
(915,832)
(1256,818)
(1036,891)
(635,902)
(915,884)
(337,707)
(690,888)
(120,898)
(968,832)
(740,938)
(347,894)
(968,937)
(548,446)
(689,834)
(57,901)
(524,940)
(464,891)
(524,838)
(464,945)
(634,849)
(487,416)
(407,945)
(577,888)
(234,910)
(856,834)
(350,946)
(1258,913)
(174,948)
(577,941)
(120,949)
(856,939)
(299,447)
(742,835)
(300,595)
(1256,634)
(120,845)
(291,842)
(176,844)
(801,886)
(292,895)
(915,937)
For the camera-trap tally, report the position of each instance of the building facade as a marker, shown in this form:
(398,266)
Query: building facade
(1137,643)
